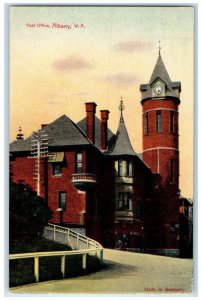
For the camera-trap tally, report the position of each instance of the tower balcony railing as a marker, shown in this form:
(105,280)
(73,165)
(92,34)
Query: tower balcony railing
(83,181)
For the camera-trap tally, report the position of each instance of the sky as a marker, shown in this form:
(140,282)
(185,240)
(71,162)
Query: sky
(62,57)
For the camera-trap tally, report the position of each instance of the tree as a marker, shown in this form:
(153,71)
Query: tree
(28,213)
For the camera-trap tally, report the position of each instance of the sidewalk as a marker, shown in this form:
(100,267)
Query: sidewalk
(125,273)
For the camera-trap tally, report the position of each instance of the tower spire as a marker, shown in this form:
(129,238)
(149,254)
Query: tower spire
(159,47)
(121,108)
(20,135)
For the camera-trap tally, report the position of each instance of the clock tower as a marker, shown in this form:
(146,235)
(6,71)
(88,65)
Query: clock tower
(160,101)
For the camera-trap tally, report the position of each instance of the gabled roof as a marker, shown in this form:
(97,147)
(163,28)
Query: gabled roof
(120,144)
(61,132)
(64,132)
(82,124)
(160,73)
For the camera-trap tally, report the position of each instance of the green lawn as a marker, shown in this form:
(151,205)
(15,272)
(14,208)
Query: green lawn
(21,271)
(37,245)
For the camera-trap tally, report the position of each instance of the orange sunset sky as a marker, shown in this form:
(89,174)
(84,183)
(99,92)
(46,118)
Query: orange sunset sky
(108,54)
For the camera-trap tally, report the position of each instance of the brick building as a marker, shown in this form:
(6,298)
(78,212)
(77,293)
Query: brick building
(94,181)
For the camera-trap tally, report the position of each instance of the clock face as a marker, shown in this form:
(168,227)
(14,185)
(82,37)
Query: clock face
(158,89)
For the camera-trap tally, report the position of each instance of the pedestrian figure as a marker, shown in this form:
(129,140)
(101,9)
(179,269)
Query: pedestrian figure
(124,241)
(118,244)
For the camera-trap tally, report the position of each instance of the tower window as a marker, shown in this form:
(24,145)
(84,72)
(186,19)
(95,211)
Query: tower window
(120,167)
(124,201)
(79,163)
(129,168)
(62,201)
(171,171)
(124,167)
(146,128)
(158,122)
(171,121)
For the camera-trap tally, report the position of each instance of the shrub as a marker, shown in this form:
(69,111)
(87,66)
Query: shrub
(28,213)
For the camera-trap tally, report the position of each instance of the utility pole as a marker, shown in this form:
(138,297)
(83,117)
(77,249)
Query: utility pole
(39,149)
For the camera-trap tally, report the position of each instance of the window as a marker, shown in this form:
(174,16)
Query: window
(57,169)
(171,121)
(171,171)
(173,226)
(125,167)
(158,122)
(138,211)
(124,201)
(62,201)
(129,168)
(120,167)
(79,163)
(146,128)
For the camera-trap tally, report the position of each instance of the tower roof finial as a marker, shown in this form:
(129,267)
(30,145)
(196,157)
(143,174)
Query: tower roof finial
(159,47)
(121,107)
(20,135)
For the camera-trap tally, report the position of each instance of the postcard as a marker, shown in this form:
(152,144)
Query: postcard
(101,149)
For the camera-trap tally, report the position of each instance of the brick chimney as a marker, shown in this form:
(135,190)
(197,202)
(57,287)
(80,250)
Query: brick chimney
(90,120)
(43,126)
(104,128)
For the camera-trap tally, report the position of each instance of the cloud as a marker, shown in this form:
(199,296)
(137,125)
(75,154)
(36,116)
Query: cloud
(132,46)
(71,63)
(54,102)
(122,79)
(81,93)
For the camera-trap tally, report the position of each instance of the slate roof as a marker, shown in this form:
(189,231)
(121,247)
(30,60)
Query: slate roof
(61,132)
(120,143)
(20,145)
(82,124)
(161,73)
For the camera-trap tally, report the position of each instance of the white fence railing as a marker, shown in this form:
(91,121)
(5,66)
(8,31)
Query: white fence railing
(69,237)
(83,244)
(62,254)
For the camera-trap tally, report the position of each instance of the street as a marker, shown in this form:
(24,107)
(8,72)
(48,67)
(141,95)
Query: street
(125,273)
